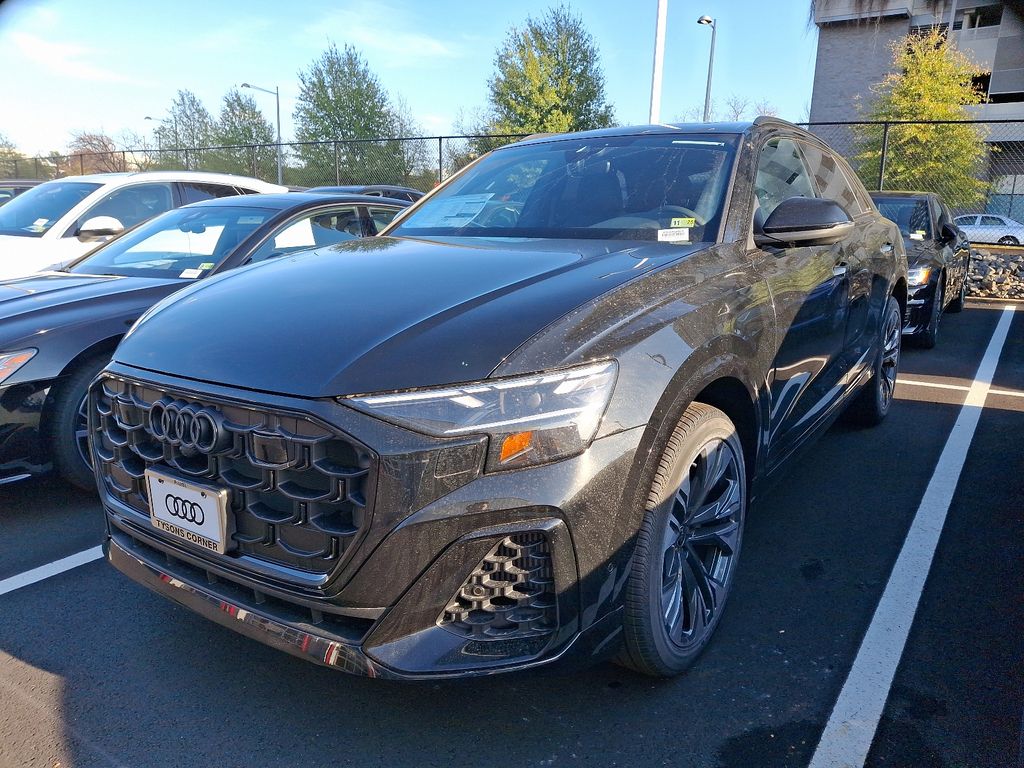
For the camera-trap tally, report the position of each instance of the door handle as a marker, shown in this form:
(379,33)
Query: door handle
(886,249)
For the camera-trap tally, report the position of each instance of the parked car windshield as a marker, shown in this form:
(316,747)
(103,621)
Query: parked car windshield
(185,243)
(661,187)
(908,213)
(34,211)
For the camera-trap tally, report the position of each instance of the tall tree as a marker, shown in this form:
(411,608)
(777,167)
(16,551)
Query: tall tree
(94,153)
(341,99)
(548,78)
(931,81)
(188,126)
(9,155)
(244,127)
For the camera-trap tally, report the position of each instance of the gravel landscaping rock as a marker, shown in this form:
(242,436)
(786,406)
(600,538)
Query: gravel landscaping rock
(997,274)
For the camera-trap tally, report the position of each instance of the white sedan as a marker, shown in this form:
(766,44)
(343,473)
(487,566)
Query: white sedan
(54,223)
(990,228)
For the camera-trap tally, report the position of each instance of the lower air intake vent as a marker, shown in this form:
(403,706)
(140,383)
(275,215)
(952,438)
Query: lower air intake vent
(510,595)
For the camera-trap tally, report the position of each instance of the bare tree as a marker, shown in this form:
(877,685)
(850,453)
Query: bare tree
(94,153)
(736,108)
(766,108)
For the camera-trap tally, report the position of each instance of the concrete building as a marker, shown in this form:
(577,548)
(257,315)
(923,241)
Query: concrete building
(854,54)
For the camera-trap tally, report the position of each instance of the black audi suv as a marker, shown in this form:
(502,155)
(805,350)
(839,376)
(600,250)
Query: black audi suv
(524,425)
(938,260)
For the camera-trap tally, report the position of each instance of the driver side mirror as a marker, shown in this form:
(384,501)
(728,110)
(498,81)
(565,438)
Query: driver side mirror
(949,232)
(805,221)
(99,226)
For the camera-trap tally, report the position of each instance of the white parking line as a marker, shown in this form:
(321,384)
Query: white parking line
(958,387)
(851,727)
(50,569)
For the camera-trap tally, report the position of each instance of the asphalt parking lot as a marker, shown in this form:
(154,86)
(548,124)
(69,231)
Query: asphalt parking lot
(97,671)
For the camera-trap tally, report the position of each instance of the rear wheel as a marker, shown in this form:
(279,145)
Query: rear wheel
(688,545)
(69,434)
(872,405)
(1008,240)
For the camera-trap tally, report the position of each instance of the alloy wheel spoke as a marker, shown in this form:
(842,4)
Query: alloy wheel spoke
(721,536)
(724,506)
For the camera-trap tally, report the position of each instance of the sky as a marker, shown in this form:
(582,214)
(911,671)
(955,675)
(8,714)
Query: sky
(74,66)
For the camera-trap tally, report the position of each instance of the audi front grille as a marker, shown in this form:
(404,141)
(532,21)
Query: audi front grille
(299,493)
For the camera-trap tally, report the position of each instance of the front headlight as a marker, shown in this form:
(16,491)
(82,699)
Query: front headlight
(918,276)
(10,362)
(530,419)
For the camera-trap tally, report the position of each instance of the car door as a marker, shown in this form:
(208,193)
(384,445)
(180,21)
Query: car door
(810,292)
(990,229)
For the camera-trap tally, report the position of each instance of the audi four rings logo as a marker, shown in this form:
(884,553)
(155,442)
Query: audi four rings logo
(186,510)
(188,426)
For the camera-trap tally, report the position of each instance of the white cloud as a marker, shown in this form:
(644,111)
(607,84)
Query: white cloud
(65,59)
(377,31)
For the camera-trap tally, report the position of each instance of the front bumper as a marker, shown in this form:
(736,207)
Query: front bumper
(415,595)
(920,301)
(22,452)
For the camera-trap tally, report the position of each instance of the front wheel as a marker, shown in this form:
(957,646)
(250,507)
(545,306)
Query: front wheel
(957,304)
(687,546)
(69,433)
(929,337)
(873,402)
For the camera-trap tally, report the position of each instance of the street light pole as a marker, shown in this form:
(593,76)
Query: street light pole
(276,93)
(659,56)
(707,21)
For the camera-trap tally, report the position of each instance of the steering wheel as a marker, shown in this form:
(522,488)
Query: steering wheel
(501,217)
(688,213)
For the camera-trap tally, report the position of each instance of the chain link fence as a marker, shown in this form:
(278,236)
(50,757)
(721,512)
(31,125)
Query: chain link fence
(419,162)
(977,166)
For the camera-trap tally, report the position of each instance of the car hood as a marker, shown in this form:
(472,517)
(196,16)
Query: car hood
(379,314)
(49,294)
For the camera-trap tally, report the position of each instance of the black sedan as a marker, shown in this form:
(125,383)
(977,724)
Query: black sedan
(525,424)
(938,255)
(57,329)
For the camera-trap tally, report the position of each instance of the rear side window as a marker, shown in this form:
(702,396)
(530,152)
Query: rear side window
(781,174)
(380,218)
(991,221)
(193,192)
(831,179)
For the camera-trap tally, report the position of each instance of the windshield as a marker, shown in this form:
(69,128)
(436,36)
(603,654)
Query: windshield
(663,187)
(186,243)
(908,213)
(34,211)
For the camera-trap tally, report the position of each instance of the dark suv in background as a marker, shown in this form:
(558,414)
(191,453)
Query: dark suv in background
(525,424)
(938,258)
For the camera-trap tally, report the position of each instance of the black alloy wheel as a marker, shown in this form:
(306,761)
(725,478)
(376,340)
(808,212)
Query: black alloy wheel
(875,399)
(688,545)
(69,426)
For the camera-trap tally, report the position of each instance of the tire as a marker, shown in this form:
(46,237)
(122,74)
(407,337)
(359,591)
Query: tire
(929,337)
(67,434)
(686,551)
(873,402)
(957,304)
(1008,240)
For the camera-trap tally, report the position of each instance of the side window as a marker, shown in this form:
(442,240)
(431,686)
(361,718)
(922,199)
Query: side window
(380,218)
(312,230)
(131,205)
(966,221)
(781,174)
(192,192)
(991,221)
(831,180)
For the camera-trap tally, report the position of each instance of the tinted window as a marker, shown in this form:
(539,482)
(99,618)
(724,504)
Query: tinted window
(910,215)
(991,221)
(657,187)
(966,221)
(192,192)
(33,212)
(313,230)
(131,205)
(781,174)
(186,243)
(831,179)
(380,218)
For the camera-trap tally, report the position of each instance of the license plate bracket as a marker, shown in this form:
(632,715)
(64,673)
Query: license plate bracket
(190,511)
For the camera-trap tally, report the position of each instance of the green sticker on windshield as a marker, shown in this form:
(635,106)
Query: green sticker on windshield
(689,222)
(207,265)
